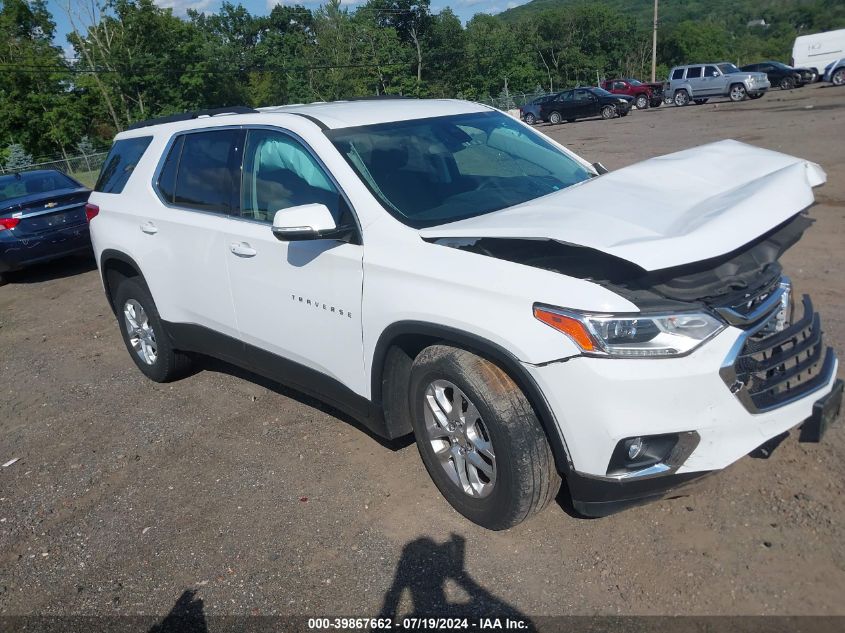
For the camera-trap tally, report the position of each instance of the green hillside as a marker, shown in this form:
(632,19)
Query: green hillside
(801,15)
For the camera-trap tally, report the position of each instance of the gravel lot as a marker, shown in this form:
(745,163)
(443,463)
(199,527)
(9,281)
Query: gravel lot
(256,500)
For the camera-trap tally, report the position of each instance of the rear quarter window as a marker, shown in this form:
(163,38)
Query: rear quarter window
(120,163)
(678,73)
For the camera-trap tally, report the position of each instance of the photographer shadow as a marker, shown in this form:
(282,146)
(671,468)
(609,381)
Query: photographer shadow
(424,568)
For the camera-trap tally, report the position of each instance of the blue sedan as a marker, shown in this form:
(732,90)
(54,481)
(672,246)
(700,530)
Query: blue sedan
(42,217)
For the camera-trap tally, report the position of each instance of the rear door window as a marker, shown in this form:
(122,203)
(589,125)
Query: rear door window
(694,72)
(208,174)
(120,163)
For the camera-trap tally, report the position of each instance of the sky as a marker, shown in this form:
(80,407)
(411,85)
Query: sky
(464,9)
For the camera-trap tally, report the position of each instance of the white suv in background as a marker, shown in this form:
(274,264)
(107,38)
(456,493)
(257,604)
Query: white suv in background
(439,268)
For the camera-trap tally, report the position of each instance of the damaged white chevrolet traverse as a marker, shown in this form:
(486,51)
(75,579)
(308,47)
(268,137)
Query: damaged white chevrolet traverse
(439,268)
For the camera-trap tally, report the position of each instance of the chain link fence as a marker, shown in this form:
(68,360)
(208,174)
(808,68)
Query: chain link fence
(83,168)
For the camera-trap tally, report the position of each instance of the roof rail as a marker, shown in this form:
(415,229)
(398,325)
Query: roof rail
(377,98)
(187,116)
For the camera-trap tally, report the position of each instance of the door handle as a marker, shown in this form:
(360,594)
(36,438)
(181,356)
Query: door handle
(242,249)
(149,228)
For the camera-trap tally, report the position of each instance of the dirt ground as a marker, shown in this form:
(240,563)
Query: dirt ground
(233,496)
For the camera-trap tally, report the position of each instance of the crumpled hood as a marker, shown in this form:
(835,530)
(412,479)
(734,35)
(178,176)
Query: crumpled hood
(663,212)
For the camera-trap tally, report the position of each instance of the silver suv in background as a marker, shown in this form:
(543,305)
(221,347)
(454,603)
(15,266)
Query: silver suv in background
(700,82)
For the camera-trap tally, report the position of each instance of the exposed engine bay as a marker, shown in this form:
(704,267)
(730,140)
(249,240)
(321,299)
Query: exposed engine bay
(724,280)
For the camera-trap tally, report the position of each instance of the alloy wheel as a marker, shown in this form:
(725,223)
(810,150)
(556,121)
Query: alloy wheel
(460,439)
(140,332)
(838,78)
(737,93)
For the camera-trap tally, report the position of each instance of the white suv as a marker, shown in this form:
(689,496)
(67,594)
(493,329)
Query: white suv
(439,268)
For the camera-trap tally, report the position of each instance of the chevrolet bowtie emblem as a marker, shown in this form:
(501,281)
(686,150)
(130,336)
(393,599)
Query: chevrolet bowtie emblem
(50,205)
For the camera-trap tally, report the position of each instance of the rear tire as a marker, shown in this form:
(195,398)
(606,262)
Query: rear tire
(144,335)
(495,426)
(681,98)
(642,102)
(555,118)
(530,119)
(738,93)
(700,101)
(787,83)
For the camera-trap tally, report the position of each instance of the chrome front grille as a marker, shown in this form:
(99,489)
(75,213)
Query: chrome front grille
(775,363)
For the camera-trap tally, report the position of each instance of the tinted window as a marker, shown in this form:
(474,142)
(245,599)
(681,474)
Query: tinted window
(167,177)
(29,183)
(694,72)
(678,73)
(711,71)
(120,163)
(582,95)
(209,170)
(619,85)
(441,169)
(280,173)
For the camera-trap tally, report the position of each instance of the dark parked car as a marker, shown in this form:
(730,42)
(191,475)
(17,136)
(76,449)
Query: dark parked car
(582,103)
(780,75)
(530,112)
(42,217)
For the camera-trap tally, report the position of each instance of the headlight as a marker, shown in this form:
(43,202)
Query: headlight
(633,336)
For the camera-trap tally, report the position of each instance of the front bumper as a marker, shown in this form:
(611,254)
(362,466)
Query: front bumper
(598,402)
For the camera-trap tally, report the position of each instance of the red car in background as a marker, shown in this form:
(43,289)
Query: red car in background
(645,94)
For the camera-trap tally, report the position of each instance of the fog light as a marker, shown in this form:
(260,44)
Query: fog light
(635,448)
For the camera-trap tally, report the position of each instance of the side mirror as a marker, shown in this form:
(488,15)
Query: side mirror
(304,222)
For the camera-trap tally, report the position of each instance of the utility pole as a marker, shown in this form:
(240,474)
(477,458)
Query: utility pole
(654,45)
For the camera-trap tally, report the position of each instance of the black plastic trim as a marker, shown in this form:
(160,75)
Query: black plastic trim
(601,497)
(195,114)
(109,255)
(189,337)
(486,349)
(323,127)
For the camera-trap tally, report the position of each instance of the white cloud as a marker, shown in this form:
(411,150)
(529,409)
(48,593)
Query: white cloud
(180,7)
(312,3)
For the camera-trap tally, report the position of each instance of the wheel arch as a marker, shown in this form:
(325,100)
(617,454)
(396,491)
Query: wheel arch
(115,266)
(398,346)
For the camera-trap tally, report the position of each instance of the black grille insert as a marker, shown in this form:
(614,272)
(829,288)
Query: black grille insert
(772,369)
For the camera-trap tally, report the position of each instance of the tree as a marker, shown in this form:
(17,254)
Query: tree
(411,19)
(36,96)
(16,158)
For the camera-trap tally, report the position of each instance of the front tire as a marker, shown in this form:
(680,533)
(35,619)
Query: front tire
(144,335)
(608,112)
(838,77)
(738,93)
(681,98)
(479,438)
(555,118)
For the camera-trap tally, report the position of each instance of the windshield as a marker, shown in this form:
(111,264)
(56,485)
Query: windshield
(602,92)
(432,171)
(780,65)
(27,184)
(727,69)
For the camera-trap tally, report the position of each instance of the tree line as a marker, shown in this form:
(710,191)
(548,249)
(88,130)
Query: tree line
(133,60)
